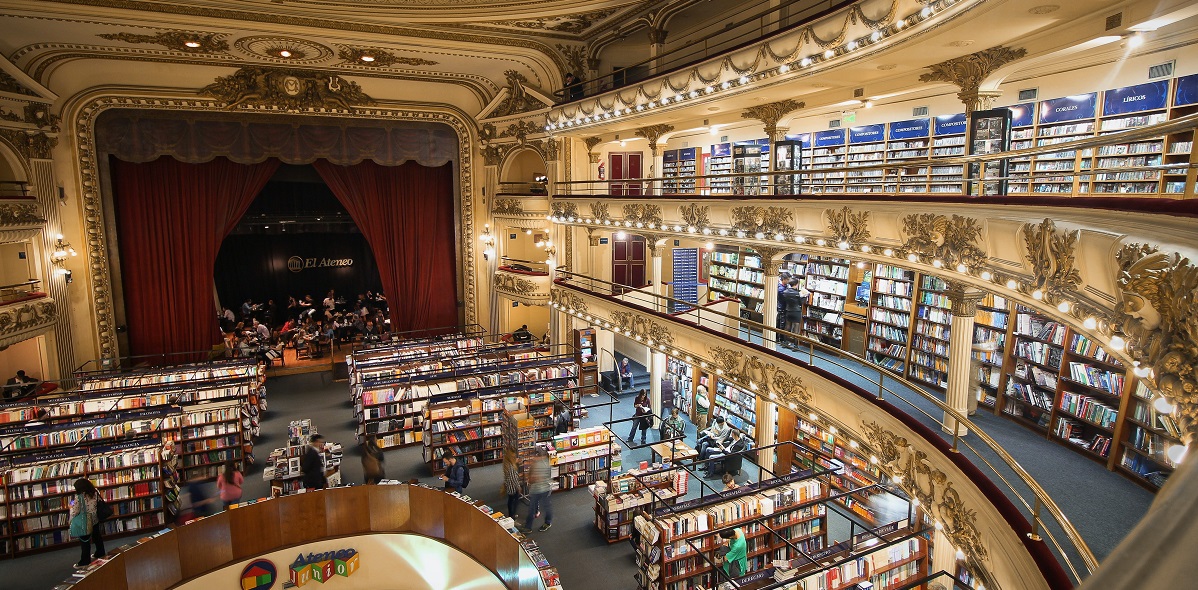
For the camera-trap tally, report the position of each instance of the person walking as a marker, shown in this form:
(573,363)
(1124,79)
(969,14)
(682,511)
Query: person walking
(456,475)
(540,487)
(372,460)
(312,464)
(511,482)
(229,484)
(641,411)
(85,521)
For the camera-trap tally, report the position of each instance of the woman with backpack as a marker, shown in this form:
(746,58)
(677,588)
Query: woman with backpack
(229,484)
(86,520)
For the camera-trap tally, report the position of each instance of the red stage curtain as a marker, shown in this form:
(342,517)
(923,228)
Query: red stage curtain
(406,213)
(171,220)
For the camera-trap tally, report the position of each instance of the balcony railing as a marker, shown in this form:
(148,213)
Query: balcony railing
(14,189)
(983,451)
(940,176)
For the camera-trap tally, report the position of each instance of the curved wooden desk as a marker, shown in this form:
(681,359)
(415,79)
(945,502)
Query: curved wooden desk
(244,533)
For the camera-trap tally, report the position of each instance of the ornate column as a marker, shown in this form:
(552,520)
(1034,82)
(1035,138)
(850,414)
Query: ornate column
(964,302)
(769,114)
(657,46)
(45,185)
(968,72)
(657,370)
(592,159)
(656,251)
(492,156)
(652,133)
(769,309)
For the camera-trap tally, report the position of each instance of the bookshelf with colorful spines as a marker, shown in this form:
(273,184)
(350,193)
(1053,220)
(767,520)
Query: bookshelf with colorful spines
(736,273)
(683,374)
(129,475)
(828,282)
(685,535)
(469,429)
(737,407)
(890,317)
(386,361)
(1036,354)
(392,408)
(894,560)
(1148,435)
(991,330)
(583,457)
(832,450)
(1145,155)
(283,467)
(929,334)
(631,491)
(1093,388)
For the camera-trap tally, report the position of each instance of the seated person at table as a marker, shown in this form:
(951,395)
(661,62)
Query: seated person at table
(522,334)
(261,330)
(247,309)
(330,304)
(370,331)
(715,435)
(672,427)
(19,386)
(306,307)
(731,449)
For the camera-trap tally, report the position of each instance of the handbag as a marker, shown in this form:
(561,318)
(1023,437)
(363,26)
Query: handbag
(103,510)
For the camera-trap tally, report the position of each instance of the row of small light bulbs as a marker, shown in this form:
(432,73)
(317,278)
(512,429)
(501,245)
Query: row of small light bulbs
(562,122)
(1089,322)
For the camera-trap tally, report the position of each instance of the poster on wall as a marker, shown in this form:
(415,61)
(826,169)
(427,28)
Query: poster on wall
(989,133)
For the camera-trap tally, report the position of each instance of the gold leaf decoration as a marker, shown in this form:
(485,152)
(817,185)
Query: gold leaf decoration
(565,210)
(287,89)
(752,219)
(508,206)
(1052,257)
(695,215)
(847,226)
(176,40)
(377,57)
(953,240)
(642,213)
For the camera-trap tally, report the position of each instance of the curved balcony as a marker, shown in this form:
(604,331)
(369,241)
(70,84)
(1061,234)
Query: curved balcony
(972,485)
(308,522)
(25,312)
(523,281)
(20,218)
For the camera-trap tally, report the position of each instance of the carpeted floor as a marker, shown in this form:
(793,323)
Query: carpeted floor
(1103,513)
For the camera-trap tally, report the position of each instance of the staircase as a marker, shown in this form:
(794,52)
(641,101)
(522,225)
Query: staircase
(640,378)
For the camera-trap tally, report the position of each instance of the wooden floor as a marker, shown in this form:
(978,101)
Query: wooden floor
(294,366)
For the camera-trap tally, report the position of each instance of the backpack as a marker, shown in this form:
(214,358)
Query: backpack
(465,476)
(103,510)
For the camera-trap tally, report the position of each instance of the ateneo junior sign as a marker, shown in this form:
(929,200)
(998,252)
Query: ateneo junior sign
(319,567)
(298,264)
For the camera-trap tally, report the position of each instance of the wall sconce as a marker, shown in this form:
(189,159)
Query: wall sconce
(66,274)
(62,250)
(488,240)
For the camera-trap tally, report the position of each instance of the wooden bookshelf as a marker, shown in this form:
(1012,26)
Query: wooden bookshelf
(890,317)
(467,428)
(583,457)
(833,451)
(929,335)
(738,407)
(827,280)
(719,161)
(617,501)
(736,273)
(991,332)
(676,163)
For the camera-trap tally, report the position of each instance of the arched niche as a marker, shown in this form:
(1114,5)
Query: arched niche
(523,165)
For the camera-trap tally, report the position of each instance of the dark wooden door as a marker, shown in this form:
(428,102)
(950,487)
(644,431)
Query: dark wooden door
(628,261)
(626,165)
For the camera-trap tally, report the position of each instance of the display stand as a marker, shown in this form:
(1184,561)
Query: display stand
(283,466)
(617,501)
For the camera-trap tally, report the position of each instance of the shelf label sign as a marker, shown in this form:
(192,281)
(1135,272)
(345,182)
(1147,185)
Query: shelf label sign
(829,138)
(867,133)
(804,139)
(1023,115)
(950,124)
(721,149)
(1134,99)
(320,567)
(669,157)
(1069,108)
(911,129)
(685,154)
(1187,90)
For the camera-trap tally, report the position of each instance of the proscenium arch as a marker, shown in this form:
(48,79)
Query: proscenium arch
(82,112)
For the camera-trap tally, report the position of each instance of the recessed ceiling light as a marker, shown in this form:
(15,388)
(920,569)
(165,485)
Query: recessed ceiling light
(887,66)
(1044,8)
(192,44)
(713,108)
(367,58)
(961,43)
(284,53)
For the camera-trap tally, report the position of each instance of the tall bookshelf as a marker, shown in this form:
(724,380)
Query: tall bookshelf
(684,383)
(1092,389)
(851,468)
(828,150)
(890,317)
(909,144)
(583,457)
(737,407)
(1023,133)
(1148,435)
(929,335)
(618,500)
(827,280)
(1031,386)
(991,325)
(736,273)
(1179,146)
(948,140)
(1129,108)
(720,162)
(675,164)
(867,147)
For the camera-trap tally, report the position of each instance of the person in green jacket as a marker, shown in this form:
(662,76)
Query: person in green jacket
(735,560)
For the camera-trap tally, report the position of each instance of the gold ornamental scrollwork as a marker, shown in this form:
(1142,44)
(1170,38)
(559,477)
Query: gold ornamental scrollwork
(695,215)
(20,214)
(770,113)
(847,226)
(18,321)
(377,57)
(503,206)
(953,240)
(30,145)
(911,470)
(564,209)
(176,40)
(1052,255)
(643,213)
(515,285)
(10,84)
(492,154)
(758,374)
(1159,316)
(599,211)
(653,133)
(768,220)
(567,299)
(518,100)
(769,265)
(635,324)
(288,89)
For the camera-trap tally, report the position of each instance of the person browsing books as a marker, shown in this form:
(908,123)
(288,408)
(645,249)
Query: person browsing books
(540,486)
(641,411)
(716,434)
(455,474)
(312,464)
(229,484)
(85,521)
(734,560)
(372,460)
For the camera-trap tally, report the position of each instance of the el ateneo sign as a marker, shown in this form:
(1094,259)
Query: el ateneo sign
(320,567)
(298,264)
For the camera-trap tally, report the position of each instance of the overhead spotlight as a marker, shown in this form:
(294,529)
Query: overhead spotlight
(875,36)
(869,104)
(709,90)
(1063,307)
(821,242)
(851,46)
(986,275)
(926,12)
(937,263)
(1090,323)
(843,245)
(726,85)
(1038,294)
(1011,284)
(782,69)
(191,44)
(367,58)
(865,248)
(800,239)
(912,257)
(620,235)
(961,268)
(744,80)
(1135,40)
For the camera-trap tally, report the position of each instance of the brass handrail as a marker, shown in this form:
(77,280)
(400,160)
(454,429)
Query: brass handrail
(1042,499)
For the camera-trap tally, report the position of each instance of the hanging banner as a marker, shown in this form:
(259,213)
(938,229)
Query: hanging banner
(1135,99)
(950,124)
(1069,108)
(913,129)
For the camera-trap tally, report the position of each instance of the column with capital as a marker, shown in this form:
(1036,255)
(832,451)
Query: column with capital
(656,251)
(769,114)
(769,309)
(492,156)
(653,133)
(960,394)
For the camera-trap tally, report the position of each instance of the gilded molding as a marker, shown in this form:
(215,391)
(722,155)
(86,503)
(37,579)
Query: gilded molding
(695,215)
(29,144)
(1159,316)
(963,299)
(39,114)
(653,132)
(567,299)
(911,470)
(753,219)
(564,209)
(10,84)
(20,214)
(27,319)
(379,57)
(752,371)
(770,113)
(635,324)
(518,100)
(507,206)
(576,57)
(591,142)
(599,211)
(847,226)
(566,23)
(520,288)
(1051,255)
(175,40)
(520,130)
(969,71)
(549,148)
(643,213)
(492,154)
(288,89)
(769,265)
(93,205)
(953,240)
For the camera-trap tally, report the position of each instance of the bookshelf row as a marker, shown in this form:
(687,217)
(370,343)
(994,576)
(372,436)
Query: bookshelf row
(283,466)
